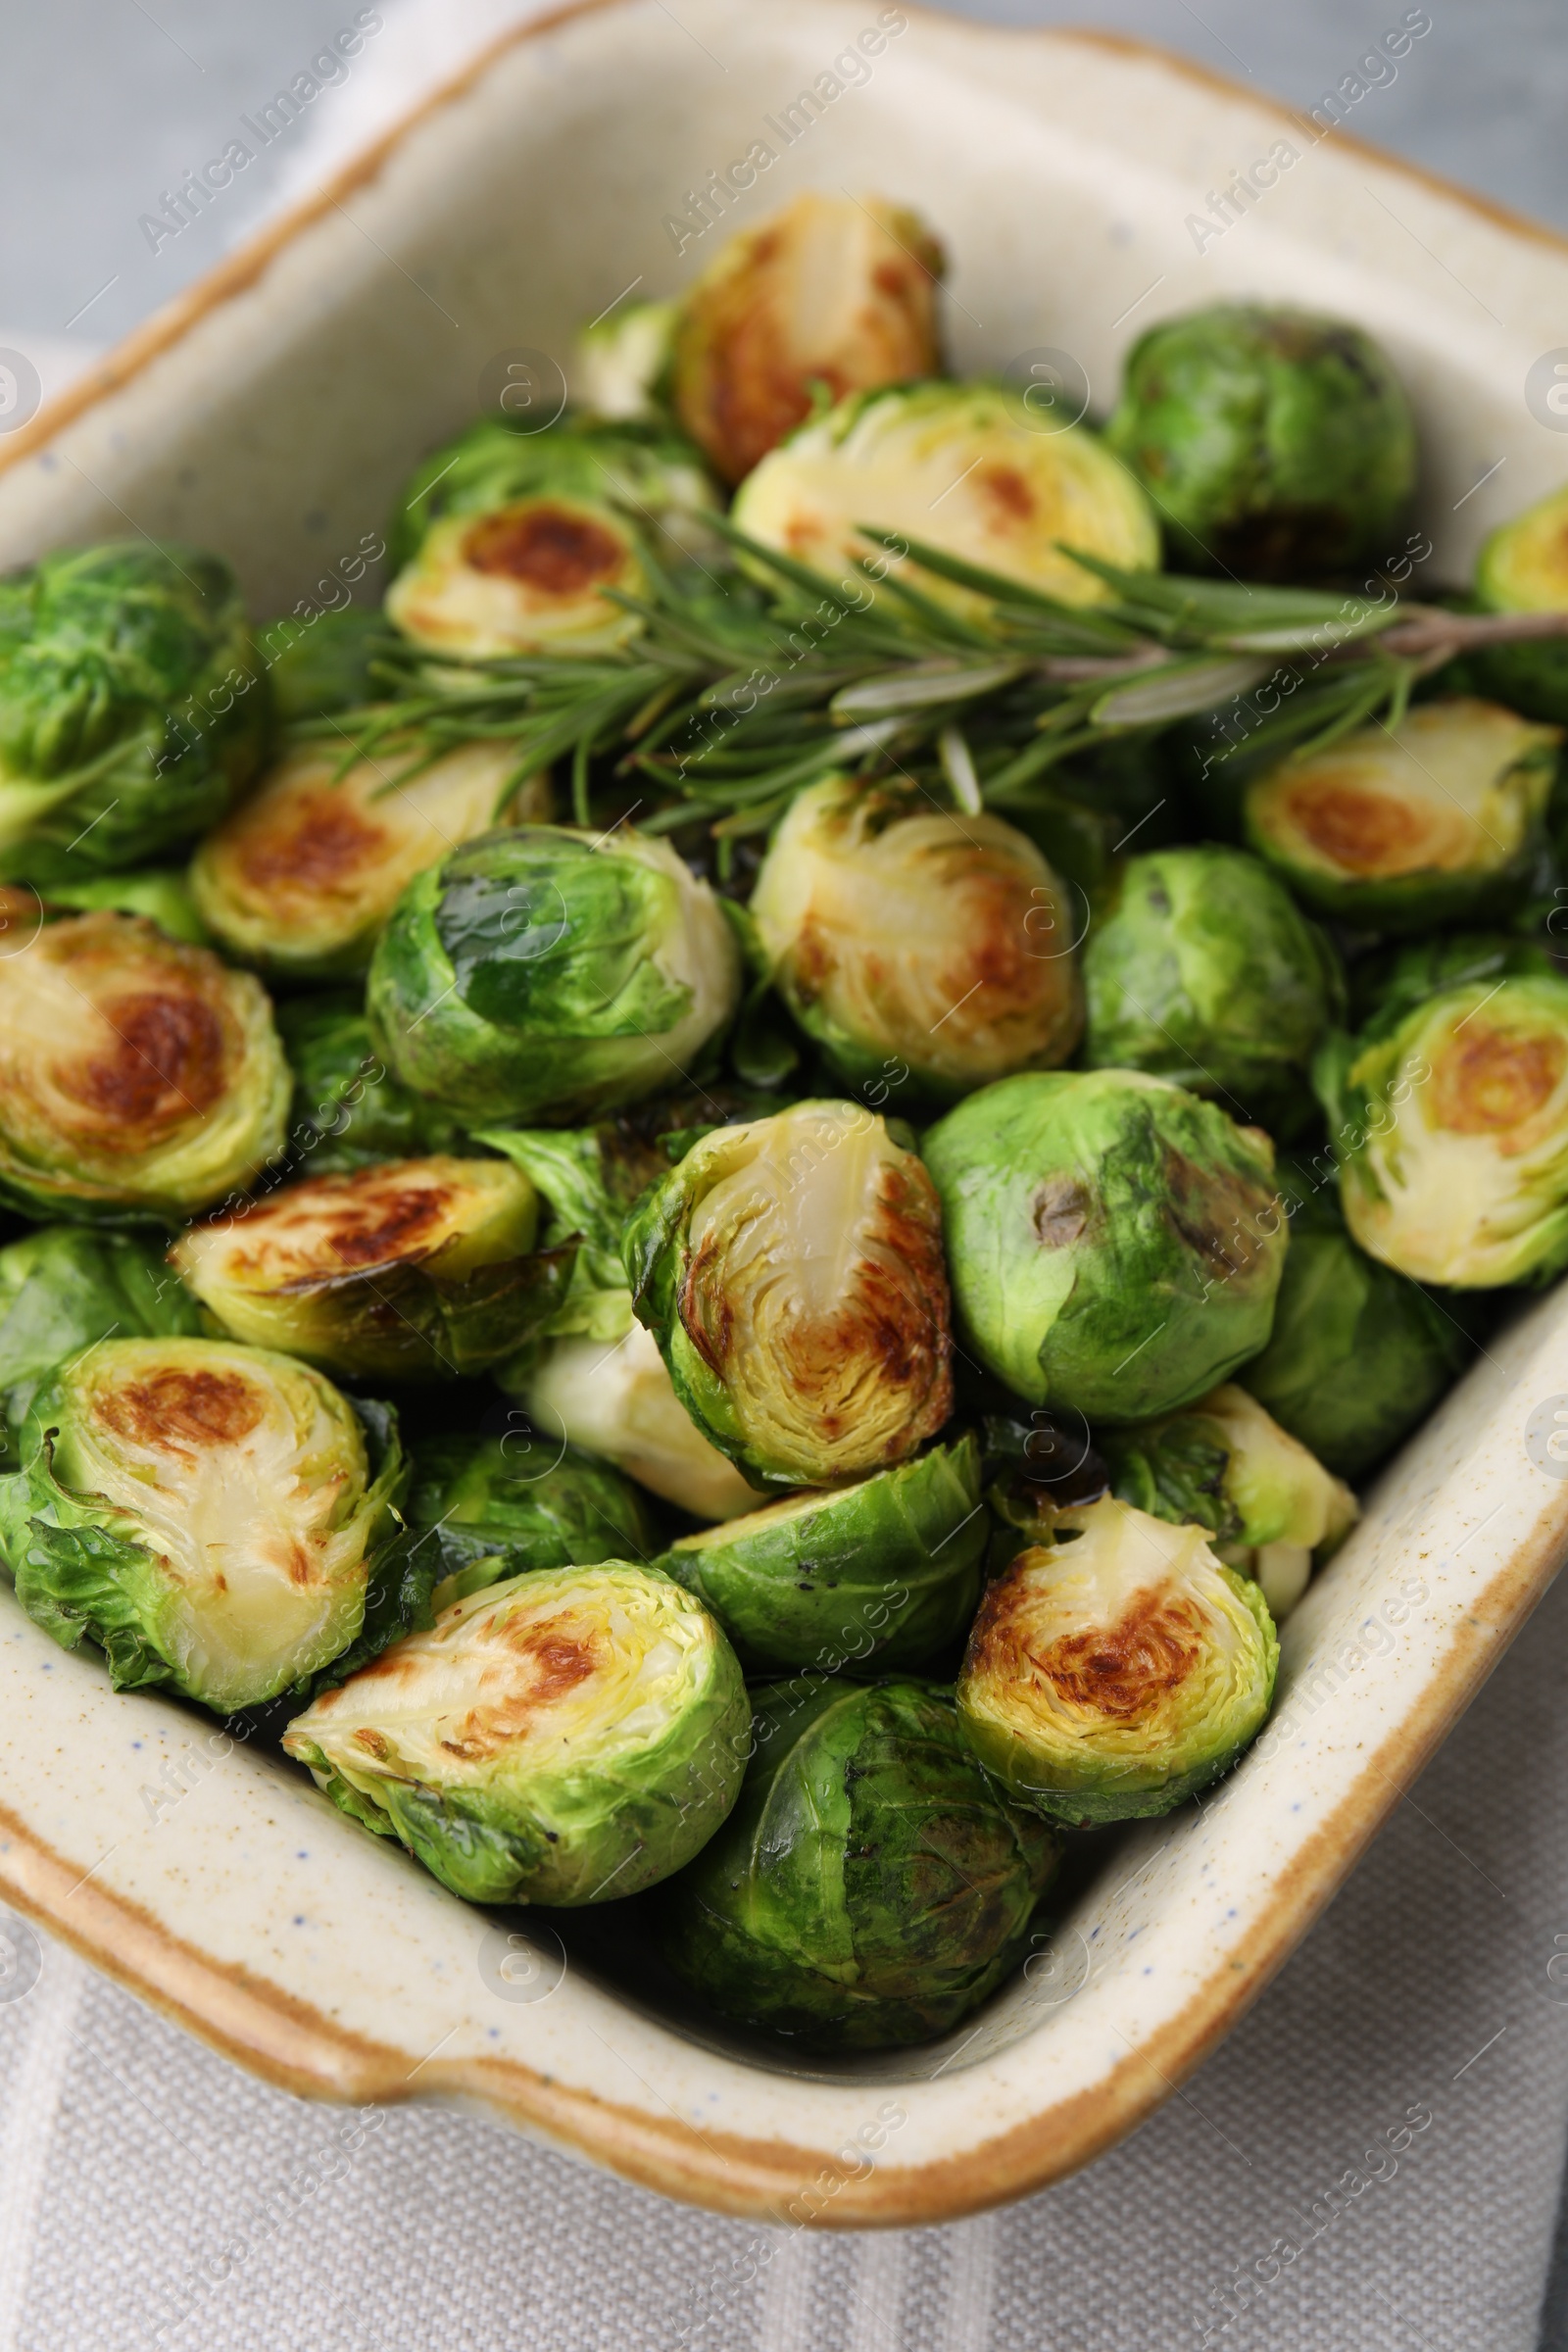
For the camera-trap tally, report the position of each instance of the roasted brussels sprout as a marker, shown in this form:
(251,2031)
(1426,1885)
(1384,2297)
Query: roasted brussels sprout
(1225,1465)
(829,291)
(878,1575)
(301,879)
(615,1400)
(542,972)
(791,1271)
(624,362)
(418,1269)
(1439,819)
(347,1111)
(1523,568)
(1276,444)
(1450,1127)
(1115,1671)
(903,937)
(209,1515)
(138,1077)
(647,473)
(318,667)
(1203,970)
(62,1289)
(1358,1355)
(489,1508)
(570,1735)
(1115,1243)
(871,1886)
(957,466)
(130,711)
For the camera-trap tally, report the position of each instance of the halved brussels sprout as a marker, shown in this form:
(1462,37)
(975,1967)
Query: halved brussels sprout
(791,1271)
(524,578)
(160,893)
(1115,1671)
(489,1508)
(1278,445)
(64,1287)
(1116,1244)
(138,1077)
(418,1269)
(901,934)
(1204,970)
(1451,1129)
(569,1737)
(1227,1466)
(871,1886)
(1358,1355)
(878,1575)
(828,291)
(617,1401)
(209,1515)
(130,706)
(624,362)
(958,466)
(542,972)
(348,1113)
(647,474)
(1523,567)
(301,879)
(1439,819)
(318,667)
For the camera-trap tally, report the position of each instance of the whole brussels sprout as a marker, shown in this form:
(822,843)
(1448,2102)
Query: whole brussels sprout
(318,667)
(543,972)
(301,879)
(958,466)
(1439,819)
(347,1112)
(140,1078)
(1115,1671)
(617,1401)
(906,939)
(1358,1355)
(209,1515)
(1450,1127)
(1277,445)
(569,1737)
(131,708)
(1226,1466)
(418,1269)
(639,472)
(1115,1243)
(64,1286)
(871,1886)
(1203,970)
(867,1577)
(791,1271)
(159,893)
(490,1509)
(828,291)
(1522,568)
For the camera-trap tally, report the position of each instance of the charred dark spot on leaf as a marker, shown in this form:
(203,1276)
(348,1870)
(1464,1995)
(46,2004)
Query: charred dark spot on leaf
(549,548)
(1061,1210)
(309,840)
(163,1063)
(1358,829)
(374,1743)
(1120,1671)
(1217,1213)
(1008,491)
(173,1410)
(1489,1080)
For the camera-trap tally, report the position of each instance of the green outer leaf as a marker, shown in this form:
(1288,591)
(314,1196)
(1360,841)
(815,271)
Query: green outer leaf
(348,1111)
(1114,1241)
(1176,1471)
(486,1509)
(82,1570)
(871,1886)
(871,1577)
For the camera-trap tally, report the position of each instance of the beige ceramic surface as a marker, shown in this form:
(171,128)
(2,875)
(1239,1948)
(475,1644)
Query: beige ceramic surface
(271,416)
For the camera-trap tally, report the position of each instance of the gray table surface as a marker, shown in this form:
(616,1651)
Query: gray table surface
(123,2153)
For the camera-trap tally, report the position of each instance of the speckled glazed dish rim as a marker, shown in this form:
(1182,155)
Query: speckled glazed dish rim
(222,1889)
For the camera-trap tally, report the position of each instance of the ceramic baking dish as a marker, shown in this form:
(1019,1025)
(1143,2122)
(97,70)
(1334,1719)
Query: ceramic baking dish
(270,414)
